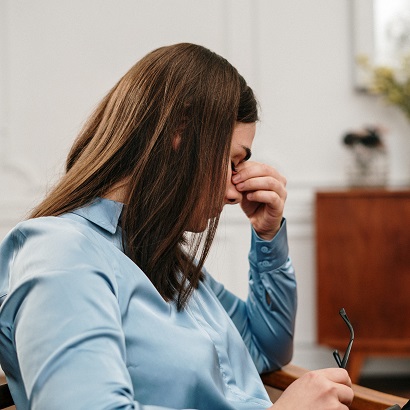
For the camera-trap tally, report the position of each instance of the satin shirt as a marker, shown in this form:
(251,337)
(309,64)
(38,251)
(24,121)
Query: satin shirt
(82,327)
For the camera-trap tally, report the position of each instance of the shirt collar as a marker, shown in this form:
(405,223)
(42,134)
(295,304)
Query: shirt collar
(103,212)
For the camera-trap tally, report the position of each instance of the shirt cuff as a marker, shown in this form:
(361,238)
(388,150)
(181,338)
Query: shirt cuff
(269,255)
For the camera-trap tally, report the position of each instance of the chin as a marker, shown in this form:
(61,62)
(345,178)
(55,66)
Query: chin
(198,227)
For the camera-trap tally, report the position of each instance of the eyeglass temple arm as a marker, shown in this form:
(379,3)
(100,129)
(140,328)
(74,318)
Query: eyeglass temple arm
(343,362)
(349,347)
(337,358)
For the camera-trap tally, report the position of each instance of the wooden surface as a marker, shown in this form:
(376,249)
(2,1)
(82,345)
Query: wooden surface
(363,265)
(364,398)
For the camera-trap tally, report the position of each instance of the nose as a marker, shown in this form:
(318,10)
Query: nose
(232,195)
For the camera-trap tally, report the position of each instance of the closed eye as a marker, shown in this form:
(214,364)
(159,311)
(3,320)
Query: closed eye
(248,153)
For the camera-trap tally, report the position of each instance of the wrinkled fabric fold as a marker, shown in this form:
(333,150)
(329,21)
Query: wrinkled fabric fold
(82,327)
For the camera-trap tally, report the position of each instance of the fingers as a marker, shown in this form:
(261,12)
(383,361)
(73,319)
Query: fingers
(270,198)
(264,195)
(250,170)
(335,383)
(263,183)
(320,390)
(337,375)
(345,394)
(342,378)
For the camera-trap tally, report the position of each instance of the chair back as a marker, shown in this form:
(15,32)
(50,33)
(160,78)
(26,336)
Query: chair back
(5,397)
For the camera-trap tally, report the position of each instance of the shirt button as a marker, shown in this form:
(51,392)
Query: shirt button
(265,263)
(265,249)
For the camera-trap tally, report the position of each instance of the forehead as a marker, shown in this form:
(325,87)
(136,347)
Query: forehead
(243,135)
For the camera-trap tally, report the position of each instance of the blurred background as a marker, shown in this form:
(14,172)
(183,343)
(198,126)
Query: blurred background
(59,58)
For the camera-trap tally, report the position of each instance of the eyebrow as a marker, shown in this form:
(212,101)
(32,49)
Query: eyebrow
(248,152)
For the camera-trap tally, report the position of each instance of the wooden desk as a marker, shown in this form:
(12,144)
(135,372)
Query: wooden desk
(363,265)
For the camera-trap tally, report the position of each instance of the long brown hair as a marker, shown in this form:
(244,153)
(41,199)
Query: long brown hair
(183,93)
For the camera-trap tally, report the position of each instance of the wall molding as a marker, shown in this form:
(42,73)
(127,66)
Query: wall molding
(16,177)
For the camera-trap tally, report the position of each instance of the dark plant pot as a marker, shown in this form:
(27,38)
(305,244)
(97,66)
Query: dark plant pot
(367,166)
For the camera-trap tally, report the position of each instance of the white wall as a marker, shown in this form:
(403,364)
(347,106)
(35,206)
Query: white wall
(58,58)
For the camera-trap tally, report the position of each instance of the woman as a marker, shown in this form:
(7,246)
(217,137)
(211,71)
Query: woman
(106,302)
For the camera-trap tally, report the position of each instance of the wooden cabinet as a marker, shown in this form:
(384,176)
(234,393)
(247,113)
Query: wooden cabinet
(363,265)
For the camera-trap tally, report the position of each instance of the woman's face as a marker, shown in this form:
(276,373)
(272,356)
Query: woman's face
(241,145)
(242,138)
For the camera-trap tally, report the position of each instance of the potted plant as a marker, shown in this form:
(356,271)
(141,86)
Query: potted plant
(392,84)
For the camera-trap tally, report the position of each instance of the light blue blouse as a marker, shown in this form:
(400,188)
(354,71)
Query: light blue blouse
(82,327)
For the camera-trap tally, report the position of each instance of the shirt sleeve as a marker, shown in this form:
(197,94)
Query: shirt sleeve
(63,317)
(266,320)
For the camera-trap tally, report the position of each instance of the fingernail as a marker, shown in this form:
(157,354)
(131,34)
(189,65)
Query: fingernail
(236,178)
(240,186)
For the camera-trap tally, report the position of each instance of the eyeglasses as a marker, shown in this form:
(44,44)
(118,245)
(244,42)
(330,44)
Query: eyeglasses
(343,362)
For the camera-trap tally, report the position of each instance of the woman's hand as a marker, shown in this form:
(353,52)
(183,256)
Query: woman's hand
(264,196)
(323,389)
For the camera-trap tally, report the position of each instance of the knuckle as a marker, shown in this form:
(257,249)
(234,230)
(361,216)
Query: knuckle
(333,390)
(312,376)
(272,184)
